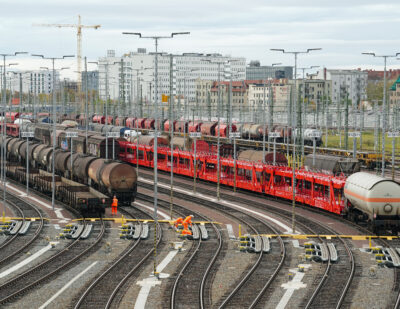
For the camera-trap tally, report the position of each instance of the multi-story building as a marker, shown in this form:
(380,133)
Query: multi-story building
(278,88)
(316,90)
(92,81)
(376,76)
(255,71)
(346,83)
(123,73)
(35,81)
(246,94)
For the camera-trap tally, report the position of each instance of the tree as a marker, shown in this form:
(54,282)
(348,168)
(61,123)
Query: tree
(375,90)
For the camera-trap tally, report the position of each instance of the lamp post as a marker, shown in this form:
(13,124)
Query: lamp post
(53,59)
(3,128)
(295,53)
(384,104)
(156,39)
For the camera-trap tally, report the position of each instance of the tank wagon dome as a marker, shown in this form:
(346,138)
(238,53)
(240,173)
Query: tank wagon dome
(374,195)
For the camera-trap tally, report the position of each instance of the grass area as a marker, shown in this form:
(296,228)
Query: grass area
(367,142)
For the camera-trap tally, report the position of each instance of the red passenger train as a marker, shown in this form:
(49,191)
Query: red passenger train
(314,189)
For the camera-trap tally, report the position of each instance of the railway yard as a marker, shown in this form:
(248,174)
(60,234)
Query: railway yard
(247,244)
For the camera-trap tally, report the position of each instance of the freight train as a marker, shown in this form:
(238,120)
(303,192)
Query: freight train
(87,164)
(361,197)
(251,131)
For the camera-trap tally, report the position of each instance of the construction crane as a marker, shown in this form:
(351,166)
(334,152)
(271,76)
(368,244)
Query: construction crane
(79,28)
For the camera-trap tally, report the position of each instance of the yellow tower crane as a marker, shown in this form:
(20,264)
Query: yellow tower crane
(79,28)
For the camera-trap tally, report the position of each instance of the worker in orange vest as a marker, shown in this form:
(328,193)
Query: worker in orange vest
(188,220)
(178,221)
(114,205)
(186,223)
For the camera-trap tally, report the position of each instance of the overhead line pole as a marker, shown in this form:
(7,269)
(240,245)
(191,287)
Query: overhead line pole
(3,128)
(384,104)
(295,53)
(156,39)
(53,59)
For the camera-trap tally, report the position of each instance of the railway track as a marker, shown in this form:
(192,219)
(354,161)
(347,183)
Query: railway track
(28,280)
(115,277)
(17,244)
(340,274)
(192,284)
(248,291)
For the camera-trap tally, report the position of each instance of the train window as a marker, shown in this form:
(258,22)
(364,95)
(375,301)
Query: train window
(259,177)
(308,185)
(141,155)
(277,179)
(130,150)
(161,156)
(288,181)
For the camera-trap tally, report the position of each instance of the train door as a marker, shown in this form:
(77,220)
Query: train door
(227,174)
(244,178)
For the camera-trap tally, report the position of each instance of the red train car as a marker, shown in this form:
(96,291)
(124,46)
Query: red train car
(139,123)
(314,189)
(195,126)
(100,119)
(223,129)
(167,125)
(12,129)
(130,122)
(149,124)
(12,116)
(120,121)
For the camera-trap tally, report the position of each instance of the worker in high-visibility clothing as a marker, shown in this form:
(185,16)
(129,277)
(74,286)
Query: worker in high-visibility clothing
(114,205)
(186,223)
(178,221)
(188,220)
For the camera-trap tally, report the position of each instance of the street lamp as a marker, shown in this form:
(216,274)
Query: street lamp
(384,103)
(53,59)
(295,53)
(3,128)
(156,38)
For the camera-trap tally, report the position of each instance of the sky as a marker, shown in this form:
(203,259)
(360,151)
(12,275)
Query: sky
(343,29)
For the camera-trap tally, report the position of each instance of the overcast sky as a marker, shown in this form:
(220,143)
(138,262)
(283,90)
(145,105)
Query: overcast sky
(343,29)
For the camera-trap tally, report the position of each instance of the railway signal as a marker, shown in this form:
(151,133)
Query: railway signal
(27,135)
(113,135)
(274,136)
(393,136)
(71,135)
(195,136)
(354,135)
(315,135)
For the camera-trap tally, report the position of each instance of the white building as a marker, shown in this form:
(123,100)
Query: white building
(353,82)
(186,69)
(34,81)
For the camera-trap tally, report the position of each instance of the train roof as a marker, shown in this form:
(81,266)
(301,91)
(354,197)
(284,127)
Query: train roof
(366,180)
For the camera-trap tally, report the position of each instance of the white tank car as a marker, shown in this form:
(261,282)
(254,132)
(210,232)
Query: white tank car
(376,197)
